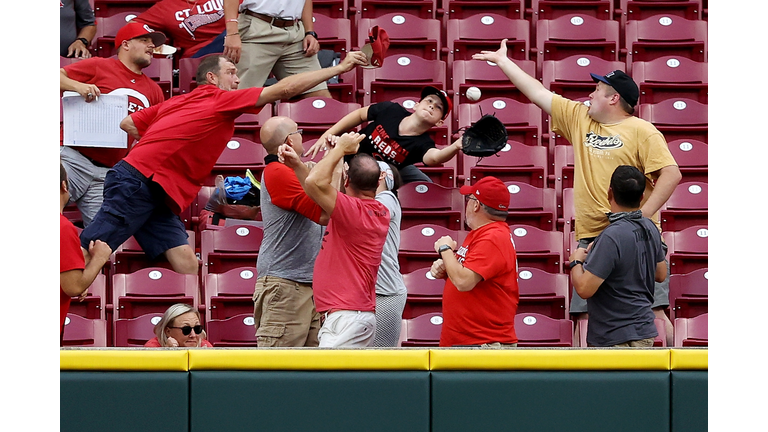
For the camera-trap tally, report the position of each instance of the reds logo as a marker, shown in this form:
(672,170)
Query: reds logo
(133,95)
(386,146)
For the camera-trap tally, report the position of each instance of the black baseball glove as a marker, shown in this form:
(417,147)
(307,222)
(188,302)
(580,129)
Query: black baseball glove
(484,138)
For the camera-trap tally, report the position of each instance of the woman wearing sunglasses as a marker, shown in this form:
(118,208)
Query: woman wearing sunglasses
(179,327)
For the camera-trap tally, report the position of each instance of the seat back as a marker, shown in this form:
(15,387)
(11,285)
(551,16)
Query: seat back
(692,331)
(671,77)
(522,120)
(664,35)
(462,9)
(692,157)
(230,293)
(84,332)
(484,32)
(236,331)
(537,330)
(408,34)
(538,248)
(514,162)
(425,293)
(531,205)
(230,247)
(152,290)
(689,294)
(423,330)
(135,332)
(543,293)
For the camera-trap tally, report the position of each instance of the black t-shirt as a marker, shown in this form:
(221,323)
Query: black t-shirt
(383,141)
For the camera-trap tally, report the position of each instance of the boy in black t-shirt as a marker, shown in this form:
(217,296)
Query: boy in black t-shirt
(398,136)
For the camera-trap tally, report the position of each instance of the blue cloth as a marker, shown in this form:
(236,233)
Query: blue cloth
(236,187)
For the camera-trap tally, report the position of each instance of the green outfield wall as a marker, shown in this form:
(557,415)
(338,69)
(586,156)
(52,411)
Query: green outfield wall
(169,390)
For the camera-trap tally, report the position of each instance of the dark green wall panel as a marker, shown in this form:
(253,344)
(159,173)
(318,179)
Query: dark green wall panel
(550,401)
(124,401)
(689,401)
(308,400)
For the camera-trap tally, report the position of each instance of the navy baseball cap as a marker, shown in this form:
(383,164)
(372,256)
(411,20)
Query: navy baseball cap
(623,84)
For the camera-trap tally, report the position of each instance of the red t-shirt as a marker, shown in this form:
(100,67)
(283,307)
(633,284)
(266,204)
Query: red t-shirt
(111,76)
(286,192)
(155,343)
(190,26)
(182,138)
(487,312)
(71,258)
(350,255)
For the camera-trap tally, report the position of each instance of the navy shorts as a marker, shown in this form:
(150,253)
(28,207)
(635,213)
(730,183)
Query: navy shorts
(135,206)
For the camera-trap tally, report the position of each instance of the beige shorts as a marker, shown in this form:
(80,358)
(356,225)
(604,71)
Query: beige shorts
(642,343)
(267,48)
(348,329)
(284,313)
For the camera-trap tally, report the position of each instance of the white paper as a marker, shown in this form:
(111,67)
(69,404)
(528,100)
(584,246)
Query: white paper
(94,124)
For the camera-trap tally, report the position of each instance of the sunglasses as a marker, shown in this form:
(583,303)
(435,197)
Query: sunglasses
(298,131)
(186,330)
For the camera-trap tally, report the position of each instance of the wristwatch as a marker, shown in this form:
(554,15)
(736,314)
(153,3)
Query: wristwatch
(444,248)
(313,34)
(83,40)
(574,263)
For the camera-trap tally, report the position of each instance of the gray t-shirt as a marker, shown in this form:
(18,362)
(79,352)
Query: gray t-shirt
(625,254)
(390,281)
(73,15)
(291,242)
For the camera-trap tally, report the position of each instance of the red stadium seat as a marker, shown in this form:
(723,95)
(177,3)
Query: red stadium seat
(417,245)
(515,162)
(671,77)
(105,8)
(666,35)
(408,34)
(315,115)
(152,290)
(330,8)
(489,78)
(692,331)
(94,305)
(538,248)
(135,332)
(423,330)
(569,212)
(642,9)
(336,35)
(692,158)
(377,8)
(564,169)
(522,120)
(230,247)
(236,331)
(230,293)
(688,249)
(401,76)
(248,125)
(430,203)
(570,77)
(161,71)
(187,71)
(484,32)
(103,42)
(551,9)
(543,293)
(686,207)
(425,293)
(576,34)
(677,118)
(531,205)
(84,332)
(460,9)
(537,330)
(689,294)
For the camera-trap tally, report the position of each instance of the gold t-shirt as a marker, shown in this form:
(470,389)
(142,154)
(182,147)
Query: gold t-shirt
(597,150)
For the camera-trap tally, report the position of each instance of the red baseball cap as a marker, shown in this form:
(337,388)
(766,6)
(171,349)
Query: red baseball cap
(489,191)
(447,103)
(377,47)
(132,30)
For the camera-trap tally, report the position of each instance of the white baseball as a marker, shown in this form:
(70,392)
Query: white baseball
(473,94)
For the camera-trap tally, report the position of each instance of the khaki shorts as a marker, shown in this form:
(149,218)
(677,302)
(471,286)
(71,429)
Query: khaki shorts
(284,313)
(642,343)
(267,48)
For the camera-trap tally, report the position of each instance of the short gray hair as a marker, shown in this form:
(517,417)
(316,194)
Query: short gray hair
(171,314)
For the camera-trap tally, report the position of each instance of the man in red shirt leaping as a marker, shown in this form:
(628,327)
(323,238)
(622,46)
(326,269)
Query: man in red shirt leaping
(180,141)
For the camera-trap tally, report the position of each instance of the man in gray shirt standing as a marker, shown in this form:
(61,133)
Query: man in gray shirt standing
(284,308)
(616,273)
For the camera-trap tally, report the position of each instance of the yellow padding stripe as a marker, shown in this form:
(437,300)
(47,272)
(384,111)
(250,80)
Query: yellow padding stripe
(690,359)
(125,360)
(309,359)
(522,359)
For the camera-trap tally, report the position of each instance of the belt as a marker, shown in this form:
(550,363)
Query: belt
(277,22)
(131,169)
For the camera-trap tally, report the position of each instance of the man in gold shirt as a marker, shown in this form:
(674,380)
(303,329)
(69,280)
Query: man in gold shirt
(604,135)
